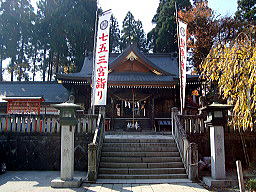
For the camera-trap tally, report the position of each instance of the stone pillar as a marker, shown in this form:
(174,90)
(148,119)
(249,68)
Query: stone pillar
(67,153)
(91,122)
(92,162)
(217,152)
(193,162)
(174,113)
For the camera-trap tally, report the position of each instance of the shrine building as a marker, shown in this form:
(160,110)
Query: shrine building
(142,89)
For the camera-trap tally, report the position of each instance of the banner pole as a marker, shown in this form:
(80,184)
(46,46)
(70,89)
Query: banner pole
(180,78)
(93,60)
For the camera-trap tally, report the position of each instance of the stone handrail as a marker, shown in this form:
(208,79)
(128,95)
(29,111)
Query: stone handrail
(38,123)
(94,148)
(188,151)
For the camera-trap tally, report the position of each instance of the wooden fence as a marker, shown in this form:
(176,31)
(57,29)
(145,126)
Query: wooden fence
(41,124)
(195,124)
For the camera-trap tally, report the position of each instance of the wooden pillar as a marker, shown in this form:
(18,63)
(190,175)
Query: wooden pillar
(153,111)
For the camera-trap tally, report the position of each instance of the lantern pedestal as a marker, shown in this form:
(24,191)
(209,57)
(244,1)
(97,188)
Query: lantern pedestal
(68,123)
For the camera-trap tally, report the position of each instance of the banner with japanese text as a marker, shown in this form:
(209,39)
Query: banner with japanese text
(101,60)
(182,36)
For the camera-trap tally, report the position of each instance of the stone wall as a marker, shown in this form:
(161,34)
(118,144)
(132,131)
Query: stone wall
(41,151)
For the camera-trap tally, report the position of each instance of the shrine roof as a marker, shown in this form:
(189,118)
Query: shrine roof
(138,77)
(165,63)
(52,92)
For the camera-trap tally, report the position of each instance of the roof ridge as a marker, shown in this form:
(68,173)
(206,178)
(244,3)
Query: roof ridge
(28,82)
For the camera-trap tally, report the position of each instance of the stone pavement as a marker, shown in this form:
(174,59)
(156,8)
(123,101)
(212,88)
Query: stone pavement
(39,181)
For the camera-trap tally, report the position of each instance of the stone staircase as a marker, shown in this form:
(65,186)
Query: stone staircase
(134,156)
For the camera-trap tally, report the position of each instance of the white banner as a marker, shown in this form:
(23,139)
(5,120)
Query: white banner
(101,61)
(182,61)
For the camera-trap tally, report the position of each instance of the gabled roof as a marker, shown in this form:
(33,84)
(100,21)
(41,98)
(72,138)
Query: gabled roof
(52,92)
(133,49)
(165,64)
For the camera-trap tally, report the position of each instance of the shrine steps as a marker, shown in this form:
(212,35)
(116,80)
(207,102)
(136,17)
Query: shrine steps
(131,156)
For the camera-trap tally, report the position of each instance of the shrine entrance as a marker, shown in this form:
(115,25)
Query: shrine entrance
(131,103)
(139,109)
(129,109)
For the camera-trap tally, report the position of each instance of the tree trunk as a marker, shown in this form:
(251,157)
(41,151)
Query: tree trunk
(50,65)
(34,64)
(57,63)
(1,63)
(21,56)
(44,65)
(12,66)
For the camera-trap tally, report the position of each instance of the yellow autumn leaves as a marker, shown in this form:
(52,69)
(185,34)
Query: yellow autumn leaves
(233,66)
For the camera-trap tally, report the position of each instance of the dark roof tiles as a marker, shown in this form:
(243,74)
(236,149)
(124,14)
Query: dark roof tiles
(52,92)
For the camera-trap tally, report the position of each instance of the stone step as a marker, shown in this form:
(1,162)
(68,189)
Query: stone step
(140,154)
(132,145)
(146,148)
(136,133)
(128,140)
(157,176)
(152,171)
(141,165)
(126,147)
(143,181)
(140,159)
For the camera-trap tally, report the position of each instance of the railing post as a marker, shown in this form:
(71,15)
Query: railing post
(193,162)
(174,113)
(92,121)
(92,162)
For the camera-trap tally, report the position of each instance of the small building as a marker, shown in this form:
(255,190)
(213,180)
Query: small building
(31,97)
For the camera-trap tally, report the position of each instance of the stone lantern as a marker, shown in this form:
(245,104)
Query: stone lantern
(68,122)
(216,120)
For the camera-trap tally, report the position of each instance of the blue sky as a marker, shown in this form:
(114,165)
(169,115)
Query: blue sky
(223,7)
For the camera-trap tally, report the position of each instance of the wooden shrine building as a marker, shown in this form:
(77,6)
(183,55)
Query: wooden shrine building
(142,88)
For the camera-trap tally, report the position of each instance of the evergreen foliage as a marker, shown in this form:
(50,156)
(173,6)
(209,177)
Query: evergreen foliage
(163,37)
(56,35)
(246,11)
(114,40)
(133,32)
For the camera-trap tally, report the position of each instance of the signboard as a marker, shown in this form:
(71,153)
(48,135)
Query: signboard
(100,77)
(182,35)
(23,105)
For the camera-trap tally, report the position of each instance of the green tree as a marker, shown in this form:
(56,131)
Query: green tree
(133,32)
(114,40)
(16,17)
(246,10)
(163,37)
(67,29)
(2,44)
(80,24)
